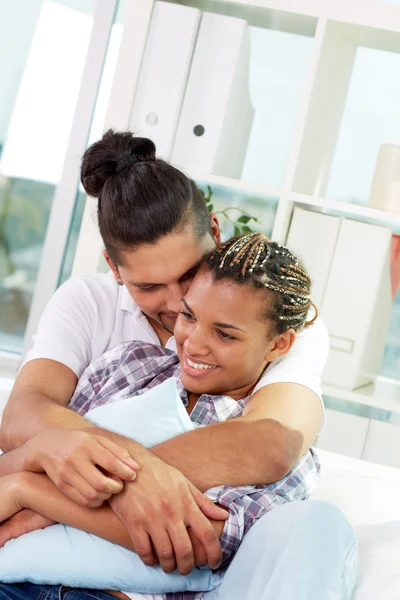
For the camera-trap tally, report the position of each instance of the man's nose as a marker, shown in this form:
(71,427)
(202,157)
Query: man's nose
(175,295)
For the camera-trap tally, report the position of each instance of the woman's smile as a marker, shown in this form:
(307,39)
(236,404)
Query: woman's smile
(196,368)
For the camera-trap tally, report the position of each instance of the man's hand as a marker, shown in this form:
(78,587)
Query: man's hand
(200,556)
(87,468)
(157,510)
(22,522)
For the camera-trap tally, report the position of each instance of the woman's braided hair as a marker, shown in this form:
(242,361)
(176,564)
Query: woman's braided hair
(256,260)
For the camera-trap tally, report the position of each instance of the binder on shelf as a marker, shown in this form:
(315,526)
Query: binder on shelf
(385,189)
(163,76)
(217,114)
(325,231)
(355,298)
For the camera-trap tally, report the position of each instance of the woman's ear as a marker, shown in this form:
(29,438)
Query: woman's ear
(112,265)
(280,345)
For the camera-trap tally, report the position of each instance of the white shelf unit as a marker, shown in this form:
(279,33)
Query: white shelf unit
(333,32)
(339,29)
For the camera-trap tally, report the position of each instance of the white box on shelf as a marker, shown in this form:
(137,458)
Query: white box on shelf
(357,304)
(164,73)
(217,114)
(385,189)
(352,271)
(310,231)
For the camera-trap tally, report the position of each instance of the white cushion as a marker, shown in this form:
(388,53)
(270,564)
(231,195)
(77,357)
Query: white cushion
(366,492)
(369,495)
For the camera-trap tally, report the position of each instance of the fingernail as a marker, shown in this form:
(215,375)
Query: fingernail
(133,476)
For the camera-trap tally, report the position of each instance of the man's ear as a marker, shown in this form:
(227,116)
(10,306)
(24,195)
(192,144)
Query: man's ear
(280,345)
(112,265)
(215,228)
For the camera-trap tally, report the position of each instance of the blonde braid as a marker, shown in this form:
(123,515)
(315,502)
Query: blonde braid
(255,259)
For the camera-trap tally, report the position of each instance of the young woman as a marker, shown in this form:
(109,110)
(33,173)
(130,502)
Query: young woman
(242,312)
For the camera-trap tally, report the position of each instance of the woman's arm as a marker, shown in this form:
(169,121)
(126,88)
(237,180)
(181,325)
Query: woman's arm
(38,493)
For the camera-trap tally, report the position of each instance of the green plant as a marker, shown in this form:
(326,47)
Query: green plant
(240,224)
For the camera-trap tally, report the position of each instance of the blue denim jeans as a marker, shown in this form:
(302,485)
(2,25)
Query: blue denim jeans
(30,591)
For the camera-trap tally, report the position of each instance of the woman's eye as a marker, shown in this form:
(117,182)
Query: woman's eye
(187,316)
(225,336)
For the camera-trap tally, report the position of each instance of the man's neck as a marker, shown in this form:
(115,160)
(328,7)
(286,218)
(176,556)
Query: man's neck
(162,334)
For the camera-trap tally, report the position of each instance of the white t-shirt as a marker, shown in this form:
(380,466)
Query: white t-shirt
(90,314)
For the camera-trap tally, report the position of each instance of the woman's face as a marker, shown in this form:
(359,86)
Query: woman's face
(157,276)
(223,344)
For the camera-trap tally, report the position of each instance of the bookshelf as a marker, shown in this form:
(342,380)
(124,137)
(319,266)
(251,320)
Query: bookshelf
(323,82)
(346,39)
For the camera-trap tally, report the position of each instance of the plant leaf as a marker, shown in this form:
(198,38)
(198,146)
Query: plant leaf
(244,219)
(236,230)
(246,229)
(210,208)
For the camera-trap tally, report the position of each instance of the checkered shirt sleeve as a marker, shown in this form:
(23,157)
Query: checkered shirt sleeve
(127,369)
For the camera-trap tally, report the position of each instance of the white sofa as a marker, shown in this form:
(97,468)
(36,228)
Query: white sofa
(369,495)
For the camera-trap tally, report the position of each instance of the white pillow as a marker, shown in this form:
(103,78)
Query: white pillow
(378,574)
(61,555)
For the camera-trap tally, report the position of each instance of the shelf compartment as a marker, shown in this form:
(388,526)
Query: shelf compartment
(263,206)
(281,49)
(354,107)
(382,395)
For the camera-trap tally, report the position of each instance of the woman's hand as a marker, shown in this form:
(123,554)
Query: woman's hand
(22,522)
(87,468)
(10,495)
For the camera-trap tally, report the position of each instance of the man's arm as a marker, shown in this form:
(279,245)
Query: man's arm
(279,424)
(38,401)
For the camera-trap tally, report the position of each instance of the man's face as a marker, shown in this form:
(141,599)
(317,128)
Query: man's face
(158,275)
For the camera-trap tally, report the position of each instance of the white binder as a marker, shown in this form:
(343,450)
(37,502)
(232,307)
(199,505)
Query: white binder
(357,304)
(349,262)
(313,236)
(217,114)
(164,72)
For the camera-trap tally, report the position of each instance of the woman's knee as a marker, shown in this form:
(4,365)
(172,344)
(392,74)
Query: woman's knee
(304,519)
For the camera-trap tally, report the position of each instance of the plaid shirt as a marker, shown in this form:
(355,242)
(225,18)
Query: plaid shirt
(134,367)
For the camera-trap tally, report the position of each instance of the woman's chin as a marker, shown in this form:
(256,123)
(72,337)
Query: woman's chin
(196,384)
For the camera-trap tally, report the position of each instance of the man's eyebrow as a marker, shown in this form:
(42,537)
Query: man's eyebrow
(148,284)
(216,323)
